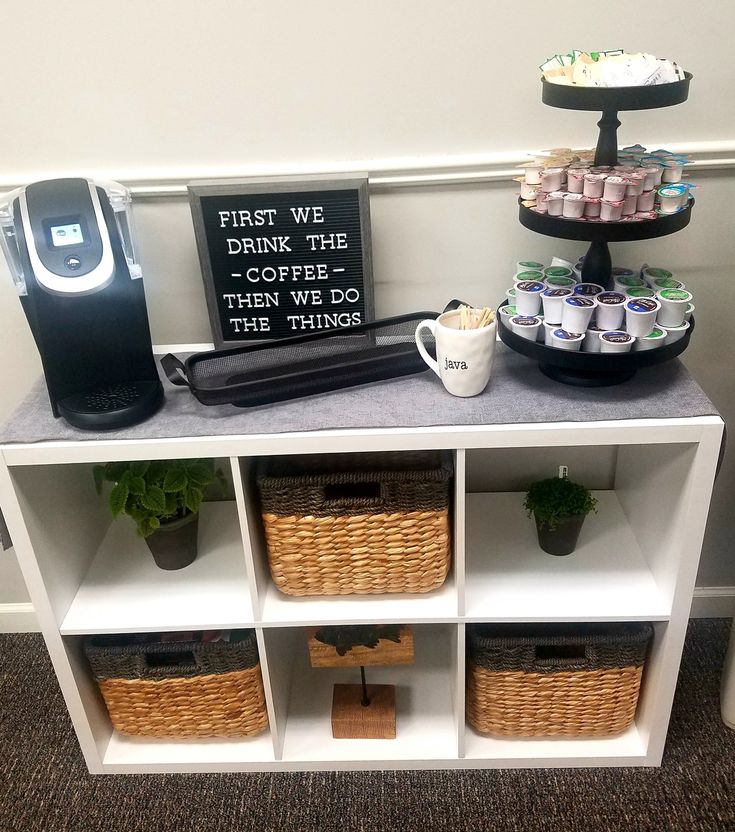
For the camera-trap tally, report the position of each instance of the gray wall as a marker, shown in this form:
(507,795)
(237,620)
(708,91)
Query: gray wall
(159,93)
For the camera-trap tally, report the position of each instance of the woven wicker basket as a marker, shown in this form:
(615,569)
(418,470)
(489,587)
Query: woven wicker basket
(534,681)
(180,689)
(375,526)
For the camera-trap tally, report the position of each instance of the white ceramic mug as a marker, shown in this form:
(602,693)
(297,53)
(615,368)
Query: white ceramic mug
(464,356)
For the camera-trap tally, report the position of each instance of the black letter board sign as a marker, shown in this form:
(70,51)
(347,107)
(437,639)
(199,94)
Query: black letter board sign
(283,257)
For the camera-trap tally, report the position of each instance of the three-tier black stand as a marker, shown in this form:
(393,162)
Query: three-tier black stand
(601,369)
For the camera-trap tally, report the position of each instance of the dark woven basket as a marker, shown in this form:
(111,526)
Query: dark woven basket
(348,484)
(144,657)
(546,649)
(551,681)
(357,524)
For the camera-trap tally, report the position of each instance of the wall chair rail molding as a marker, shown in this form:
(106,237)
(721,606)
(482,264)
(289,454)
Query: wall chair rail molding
(383,174)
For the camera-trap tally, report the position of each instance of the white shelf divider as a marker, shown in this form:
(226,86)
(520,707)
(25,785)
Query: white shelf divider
(510,578)
(459,530)
(125,592)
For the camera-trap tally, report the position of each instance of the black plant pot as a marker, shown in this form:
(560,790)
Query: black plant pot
(562,539)
(174,545)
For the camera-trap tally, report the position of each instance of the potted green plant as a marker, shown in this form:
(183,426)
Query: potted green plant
(163,497)
(559,507)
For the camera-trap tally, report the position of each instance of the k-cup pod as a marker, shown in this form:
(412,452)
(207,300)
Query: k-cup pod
(669,198)
(616,341)
(529,191)
(573,206)
(645,201)
(640,292)
(576,312)
(560,262)
(528,274)
(611,211)
(592,206)
(655,338)
(551,179)
(672,172)
(630,205)
(558,271)
(551,300)
(640,315)
(548,329)
(660,283)
(563,340)
(624,279)
(511,295)
(532,174)
(673,309)
(589,290)
(508,311)
(529,265)
(614,188)
(610,310)
(689,312)
(575,180)
(560,282)
(674,333)
(528,297)
(555,203)
(594,184)
(651,273)
(652,176)
(591,341)
(527,326)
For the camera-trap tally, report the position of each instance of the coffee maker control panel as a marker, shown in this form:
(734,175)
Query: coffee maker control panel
(67,237)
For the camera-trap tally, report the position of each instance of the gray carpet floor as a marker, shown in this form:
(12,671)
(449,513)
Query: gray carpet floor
(44,785)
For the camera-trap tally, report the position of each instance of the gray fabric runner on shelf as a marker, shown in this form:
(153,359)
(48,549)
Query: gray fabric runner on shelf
(518,393)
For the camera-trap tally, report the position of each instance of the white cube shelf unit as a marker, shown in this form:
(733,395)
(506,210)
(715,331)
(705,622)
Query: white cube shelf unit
(636,561)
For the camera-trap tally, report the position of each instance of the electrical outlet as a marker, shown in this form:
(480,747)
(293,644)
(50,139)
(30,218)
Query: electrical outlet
(563,472)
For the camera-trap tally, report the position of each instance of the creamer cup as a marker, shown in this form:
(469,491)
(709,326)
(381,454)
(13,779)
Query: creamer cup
(610,310)
(675,333)
(611,211)
(551,179)
(528,191)
(646,201)
(636,181)
(551,300)
(554,203)
(576,313)
(655,338)
(672,172)
(669,198)
(528,297)
(563,340)
(640,315)
(630,205)
(674,304)
(689,312)
(573,206)
(640,292)
(592,206)
(575,180)
(652,177)
(532,174)
(614,188)
(594,184)
(616,341)
(528,274)
(526,326)
(591,341)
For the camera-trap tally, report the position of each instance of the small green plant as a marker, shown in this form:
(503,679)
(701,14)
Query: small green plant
(554,499)
(157,492)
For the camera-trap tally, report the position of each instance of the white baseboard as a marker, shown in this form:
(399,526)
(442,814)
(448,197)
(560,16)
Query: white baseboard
(713,602)
(18,618)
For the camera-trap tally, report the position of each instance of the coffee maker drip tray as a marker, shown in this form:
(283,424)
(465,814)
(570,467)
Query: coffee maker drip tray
(112,406)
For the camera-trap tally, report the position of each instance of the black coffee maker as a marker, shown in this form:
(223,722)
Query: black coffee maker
(70,250)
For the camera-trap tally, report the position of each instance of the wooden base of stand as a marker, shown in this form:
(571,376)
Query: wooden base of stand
(353,720)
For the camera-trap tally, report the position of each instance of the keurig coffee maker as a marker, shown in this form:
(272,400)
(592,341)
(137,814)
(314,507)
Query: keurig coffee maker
(69,247)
